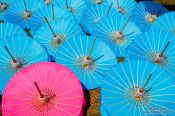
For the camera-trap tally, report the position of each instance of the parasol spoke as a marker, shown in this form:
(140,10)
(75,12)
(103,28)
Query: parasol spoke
(125,24)
(129,34)
(25,5)
(41,95)
(49,26)
(109,9)
(14,61)
(53,14)
(147,80)
(67,5)
(164,48)
(158,13)
(92,47)
(98,58)
(118,4)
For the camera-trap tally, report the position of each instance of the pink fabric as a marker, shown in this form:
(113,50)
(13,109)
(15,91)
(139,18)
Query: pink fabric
(20,94)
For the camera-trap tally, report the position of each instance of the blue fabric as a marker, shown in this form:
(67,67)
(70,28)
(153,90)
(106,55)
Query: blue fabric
(67,28)
(38,20)
(77,6)
(122,82)
(150,44)
(94,13)
(165,22)
(125,6)
(106,28)
(145,8)
(72,54)
(15,12)
(4,5)
(10,30)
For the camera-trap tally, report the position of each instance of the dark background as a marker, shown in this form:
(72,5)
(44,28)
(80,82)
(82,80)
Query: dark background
(168,6)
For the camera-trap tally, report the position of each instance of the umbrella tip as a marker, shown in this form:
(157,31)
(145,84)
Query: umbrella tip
(120,59)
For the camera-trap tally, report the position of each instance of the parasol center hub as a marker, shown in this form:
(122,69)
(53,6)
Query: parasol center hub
(120,10)
(3,6)
(57,39)
(99,1)
(119,37)
(44,102)
(87,62)
(45,99)
(47,2)
(71,9)
(159,58)
(151,18)
(139,94)
(16,64)
(27,14)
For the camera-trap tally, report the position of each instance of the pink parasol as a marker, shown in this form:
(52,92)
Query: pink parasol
(46,89)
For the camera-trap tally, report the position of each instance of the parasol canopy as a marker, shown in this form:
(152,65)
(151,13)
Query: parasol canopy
(138,88)
(146,12)
(46,89)
(76,7)
(53,34)
(21,11)
(51,12)
(124,7)
(4,5)
(98,2)
(17,52)
(165,22)
(10,30)
(88,58)
(118,32)
(94,13)
(157,47)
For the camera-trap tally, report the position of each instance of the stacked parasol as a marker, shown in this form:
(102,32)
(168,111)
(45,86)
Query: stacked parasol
(53,52)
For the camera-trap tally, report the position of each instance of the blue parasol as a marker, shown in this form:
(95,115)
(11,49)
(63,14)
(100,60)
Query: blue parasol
(118,32)
(157,47)
(4,5)
(166,22)
(54,33)
(51,12)
(17,52)
(94,13)
(76,7)
(146,12)
(138,88)
(98,2)
(10,30)
(124,7)
(21,11)
(88,58)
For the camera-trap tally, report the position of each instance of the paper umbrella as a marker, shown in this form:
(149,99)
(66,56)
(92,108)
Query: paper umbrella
(95,13)
(46,89)
(118,32)
(21,11)
(88,58)
(51,12)
(146,12)
(124,7)
(98,2)
(54,33)
(156,47)
(4,5)
(17,52)
(165,22)
(138,88)
(76,7)
(10,30)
